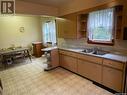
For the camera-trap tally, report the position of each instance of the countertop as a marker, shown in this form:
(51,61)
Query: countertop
(49,48)
(111,56)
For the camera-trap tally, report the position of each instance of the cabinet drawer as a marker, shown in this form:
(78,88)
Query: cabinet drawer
(68,53)
(114,64)
(90,58)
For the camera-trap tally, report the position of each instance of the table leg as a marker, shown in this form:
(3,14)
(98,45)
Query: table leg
(29,55)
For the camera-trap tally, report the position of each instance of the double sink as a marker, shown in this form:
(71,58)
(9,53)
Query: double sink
(94,51)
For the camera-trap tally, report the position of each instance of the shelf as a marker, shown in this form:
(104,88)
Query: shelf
(119,17)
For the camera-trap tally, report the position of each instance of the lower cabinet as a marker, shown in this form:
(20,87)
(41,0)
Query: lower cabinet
(68,62)
(112,78)
(90,70)
(54,58)
(104,71)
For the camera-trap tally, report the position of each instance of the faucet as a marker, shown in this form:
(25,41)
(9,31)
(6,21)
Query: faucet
(95,49)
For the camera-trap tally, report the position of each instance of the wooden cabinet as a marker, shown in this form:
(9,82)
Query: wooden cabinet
(113,64)
(112,78)
(113,75)
(37,46)
(67,27)
(104,71)
(60,27)
(55,58)
(90,70)
(68,62)
(90,58)
(119,21)
(82,25)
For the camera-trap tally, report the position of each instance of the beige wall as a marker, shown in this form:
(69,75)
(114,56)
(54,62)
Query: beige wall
(35,9)
(10,33)
(79,5)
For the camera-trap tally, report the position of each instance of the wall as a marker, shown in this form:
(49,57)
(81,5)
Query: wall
(119,47)
(35,9)
(79,5)
(10,34)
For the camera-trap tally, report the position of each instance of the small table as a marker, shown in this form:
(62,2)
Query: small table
(12,52)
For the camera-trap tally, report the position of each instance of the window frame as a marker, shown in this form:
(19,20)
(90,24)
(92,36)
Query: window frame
(112,42)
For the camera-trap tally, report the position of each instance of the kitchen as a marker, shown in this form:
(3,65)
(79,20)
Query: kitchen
(98,57)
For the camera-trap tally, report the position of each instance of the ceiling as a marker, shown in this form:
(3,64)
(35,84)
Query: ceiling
(54,3)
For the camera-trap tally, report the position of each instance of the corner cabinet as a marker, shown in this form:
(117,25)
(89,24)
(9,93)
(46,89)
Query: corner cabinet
(68,27)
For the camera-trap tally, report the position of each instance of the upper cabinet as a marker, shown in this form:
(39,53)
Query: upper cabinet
(75,25)
(121,22)
(118,21)
(82,25)
(67,27)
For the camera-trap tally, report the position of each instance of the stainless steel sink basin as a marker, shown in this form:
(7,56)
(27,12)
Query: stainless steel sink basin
(87,50)
(99,52)
(93,51)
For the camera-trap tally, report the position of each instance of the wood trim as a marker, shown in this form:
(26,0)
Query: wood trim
(98,7)
(101,43)
(103,6)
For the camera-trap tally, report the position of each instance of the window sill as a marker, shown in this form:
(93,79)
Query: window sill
(101,42)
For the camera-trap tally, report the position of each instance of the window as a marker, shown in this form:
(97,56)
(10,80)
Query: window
(49,32)
(100,26)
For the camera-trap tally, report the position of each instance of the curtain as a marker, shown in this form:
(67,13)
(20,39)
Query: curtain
(49,32)
(100,25)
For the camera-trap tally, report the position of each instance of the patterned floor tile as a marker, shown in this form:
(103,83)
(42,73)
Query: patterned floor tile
(31,79)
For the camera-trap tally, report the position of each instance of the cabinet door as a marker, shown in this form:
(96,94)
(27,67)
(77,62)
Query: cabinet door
(55,58)
(90,70)
(68,62)
(60,23)
(67,26)
(112,78)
